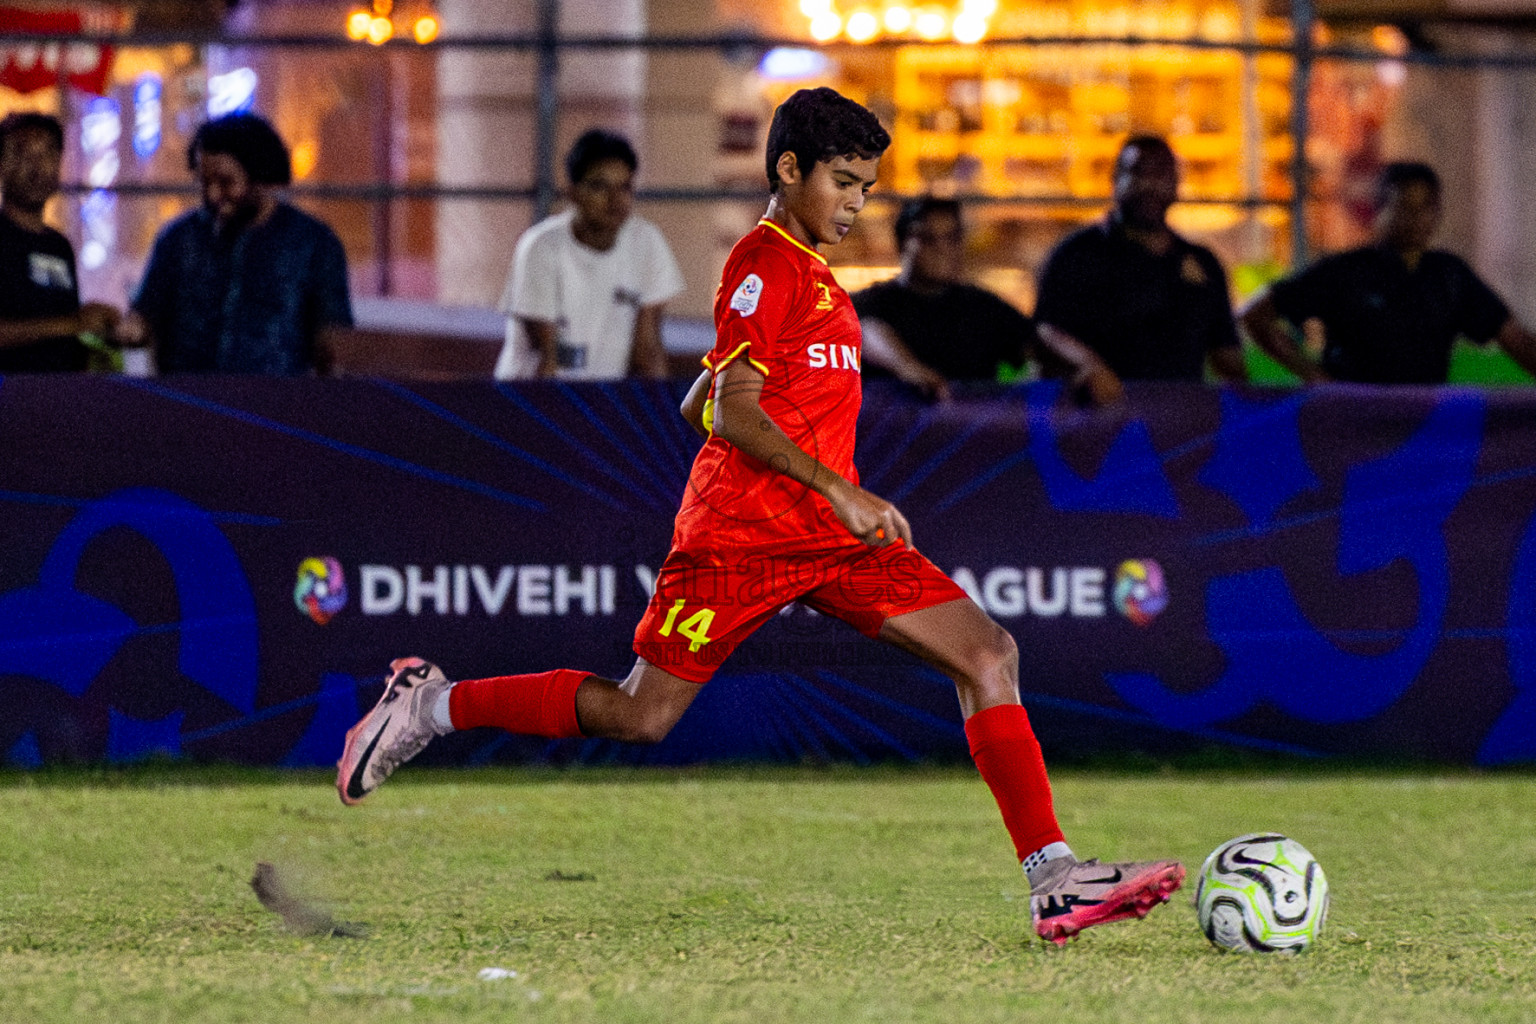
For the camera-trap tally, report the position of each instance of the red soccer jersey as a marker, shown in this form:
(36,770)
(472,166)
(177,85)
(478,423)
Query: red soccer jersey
(779,307)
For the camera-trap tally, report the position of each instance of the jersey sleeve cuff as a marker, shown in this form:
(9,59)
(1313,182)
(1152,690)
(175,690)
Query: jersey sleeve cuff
(732,356)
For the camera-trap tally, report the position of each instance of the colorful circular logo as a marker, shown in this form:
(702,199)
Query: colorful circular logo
(321,591)
(1139,590)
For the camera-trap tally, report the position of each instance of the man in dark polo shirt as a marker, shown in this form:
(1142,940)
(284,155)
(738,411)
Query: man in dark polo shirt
(1392,310)
(928,326)
(1128,299)
(41,319)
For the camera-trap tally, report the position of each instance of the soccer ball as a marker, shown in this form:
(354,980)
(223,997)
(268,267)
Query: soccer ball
(1261,893)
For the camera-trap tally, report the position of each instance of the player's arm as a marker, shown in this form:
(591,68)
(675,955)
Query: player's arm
(1264,325)
(693,403)
(883,348)
(741,421)
(1087,374)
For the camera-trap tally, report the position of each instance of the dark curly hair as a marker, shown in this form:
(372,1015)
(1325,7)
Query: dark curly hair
(822,124)
(251,140)
(593,148)
(32,121)
(1404,172)
(914,210)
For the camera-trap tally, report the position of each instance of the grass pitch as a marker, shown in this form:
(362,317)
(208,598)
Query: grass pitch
(761,895)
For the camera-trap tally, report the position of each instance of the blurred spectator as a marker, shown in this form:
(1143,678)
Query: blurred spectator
(1392,310)
(585,294)
(928,326)
(1129,299)
(41,319)
(246,283)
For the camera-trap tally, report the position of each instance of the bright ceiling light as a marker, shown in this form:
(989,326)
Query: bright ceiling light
(898,19)
(358,23)
(969,28)
(826,26)
(931,23)
(862,26)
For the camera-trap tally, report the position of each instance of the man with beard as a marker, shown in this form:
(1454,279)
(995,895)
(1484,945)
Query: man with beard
(1128,298)
(246,283)
(41,319)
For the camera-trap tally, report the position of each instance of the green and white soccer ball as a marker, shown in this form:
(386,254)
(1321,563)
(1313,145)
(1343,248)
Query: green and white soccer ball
(1261,893)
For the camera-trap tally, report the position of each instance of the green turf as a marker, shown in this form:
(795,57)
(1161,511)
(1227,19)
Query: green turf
(752,895)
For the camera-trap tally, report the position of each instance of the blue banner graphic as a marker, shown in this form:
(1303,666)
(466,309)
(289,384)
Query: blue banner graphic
(221,569)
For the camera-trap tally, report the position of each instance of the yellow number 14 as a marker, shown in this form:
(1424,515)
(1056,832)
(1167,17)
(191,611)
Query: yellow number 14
(695,627)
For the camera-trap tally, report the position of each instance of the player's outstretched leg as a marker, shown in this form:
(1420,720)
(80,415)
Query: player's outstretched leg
(396,730)
(1067,895)
(419,703)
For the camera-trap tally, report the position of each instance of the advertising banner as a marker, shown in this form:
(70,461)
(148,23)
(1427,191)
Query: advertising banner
(221,569)
(28,67)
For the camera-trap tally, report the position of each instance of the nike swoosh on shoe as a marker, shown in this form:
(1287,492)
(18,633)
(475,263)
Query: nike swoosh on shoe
(355,784)
(1109,880)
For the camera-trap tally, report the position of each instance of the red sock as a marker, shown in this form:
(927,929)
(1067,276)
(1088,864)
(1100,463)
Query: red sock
(541,704)
(1008,755)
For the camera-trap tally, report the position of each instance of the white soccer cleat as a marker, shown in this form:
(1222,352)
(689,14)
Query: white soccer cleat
(1078,894)
(396,730)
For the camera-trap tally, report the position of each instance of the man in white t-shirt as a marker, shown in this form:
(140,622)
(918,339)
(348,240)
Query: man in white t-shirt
(585,294)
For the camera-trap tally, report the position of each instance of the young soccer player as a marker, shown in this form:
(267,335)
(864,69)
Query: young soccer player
(773,514)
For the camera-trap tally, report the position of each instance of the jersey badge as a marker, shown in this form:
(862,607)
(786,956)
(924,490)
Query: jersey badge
(825,301)
(744,301)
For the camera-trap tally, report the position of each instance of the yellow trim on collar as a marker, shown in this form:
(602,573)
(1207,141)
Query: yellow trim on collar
(792,241)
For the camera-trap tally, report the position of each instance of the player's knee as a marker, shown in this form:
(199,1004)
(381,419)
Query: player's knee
(997,654)
(648,725)
(992,665)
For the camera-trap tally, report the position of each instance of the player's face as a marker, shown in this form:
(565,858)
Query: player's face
(822,205)
(1410,216)
(1146,185)
(29,169)
(935,249)
(604,197)
(227,190)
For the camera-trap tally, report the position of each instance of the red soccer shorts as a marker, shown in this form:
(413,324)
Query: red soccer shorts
(708,602)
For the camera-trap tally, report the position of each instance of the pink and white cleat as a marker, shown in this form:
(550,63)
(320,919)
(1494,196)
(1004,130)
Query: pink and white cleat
(396,730)
(1078,894)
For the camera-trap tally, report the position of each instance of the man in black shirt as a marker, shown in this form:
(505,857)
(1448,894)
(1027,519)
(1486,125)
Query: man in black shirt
(927,326)
(1128,299)
(1392,310)
(41,319)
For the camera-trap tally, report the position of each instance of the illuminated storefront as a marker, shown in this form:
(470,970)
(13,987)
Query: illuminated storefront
(430,149)
(1020,109)
(352,116)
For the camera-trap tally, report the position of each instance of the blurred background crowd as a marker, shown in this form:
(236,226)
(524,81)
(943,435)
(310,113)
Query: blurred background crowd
(427,139)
